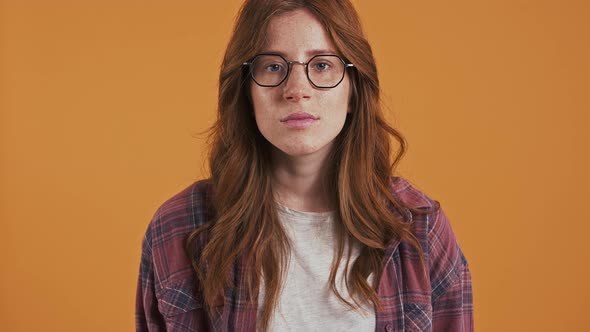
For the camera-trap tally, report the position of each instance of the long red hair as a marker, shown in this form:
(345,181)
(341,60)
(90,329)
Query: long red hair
(246,224)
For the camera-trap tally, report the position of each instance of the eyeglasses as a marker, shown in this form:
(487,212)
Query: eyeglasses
(322,70)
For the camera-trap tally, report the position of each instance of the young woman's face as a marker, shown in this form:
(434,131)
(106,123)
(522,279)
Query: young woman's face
(298,36)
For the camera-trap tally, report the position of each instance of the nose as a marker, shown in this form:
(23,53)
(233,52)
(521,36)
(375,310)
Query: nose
(297,86)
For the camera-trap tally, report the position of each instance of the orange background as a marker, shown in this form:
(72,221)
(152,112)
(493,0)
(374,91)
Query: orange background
(100,102)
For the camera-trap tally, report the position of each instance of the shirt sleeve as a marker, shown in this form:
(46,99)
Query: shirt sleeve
(452,296)
(147,315)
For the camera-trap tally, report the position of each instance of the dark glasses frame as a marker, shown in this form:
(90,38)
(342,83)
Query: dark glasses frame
(289,66)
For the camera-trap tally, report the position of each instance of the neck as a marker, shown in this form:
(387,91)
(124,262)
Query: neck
(300,182)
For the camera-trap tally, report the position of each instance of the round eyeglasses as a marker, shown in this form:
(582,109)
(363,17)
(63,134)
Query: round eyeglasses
(323,70)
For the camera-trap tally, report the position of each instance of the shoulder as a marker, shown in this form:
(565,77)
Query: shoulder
(409,195)
(417,208)
(435,233)
(429,223)
(171,225)
(424,213)
(187,209)
(443,297)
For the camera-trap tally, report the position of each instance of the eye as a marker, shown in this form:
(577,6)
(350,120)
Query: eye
(274,67)
(321,66)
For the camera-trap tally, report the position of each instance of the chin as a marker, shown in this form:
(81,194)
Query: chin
(295,152)
(300,151)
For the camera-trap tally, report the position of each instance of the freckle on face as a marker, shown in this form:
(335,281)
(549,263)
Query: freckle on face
(295,34)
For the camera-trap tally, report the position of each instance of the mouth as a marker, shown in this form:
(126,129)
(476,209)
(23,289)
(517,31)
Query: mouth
(299,120)
(299,116)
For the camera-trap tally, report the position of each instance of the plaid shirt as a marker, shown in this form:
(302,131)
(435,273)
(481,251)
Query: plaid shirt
(167,300)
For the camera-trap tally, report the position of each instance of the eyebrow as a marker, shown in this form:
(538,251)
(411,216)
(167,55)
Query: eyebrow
(308,53)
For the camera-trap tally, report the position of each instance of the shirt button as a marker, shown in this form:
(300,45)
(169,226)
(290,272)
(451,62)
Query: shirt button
(388,328)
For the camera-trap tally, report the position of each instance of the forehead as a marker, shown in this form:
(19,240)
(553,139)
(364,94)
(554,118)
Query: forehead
(297,33)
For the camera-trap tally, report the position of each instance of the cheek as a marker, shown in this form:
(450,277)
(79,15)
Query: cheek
(256,98)
(262,106)
(334,112)
(263,98)
(340,101)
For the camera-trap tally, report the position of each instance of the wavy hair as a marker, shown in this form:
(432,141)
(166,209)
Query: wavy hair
(245,226)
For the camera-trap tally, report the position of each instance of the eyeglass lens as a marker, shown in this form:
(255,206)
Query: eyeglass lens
(323,70)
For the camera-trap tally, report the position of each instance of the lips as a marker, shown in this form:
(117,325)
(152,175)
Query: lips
(299,120)
(299,116)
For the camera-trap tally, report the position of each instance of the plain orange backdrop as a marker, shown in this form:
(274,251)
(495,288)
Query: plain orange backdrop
(101,100)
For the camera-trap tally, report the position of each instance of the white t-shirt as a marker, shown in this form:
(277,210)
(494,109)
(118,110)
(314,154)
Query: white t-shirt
(306,302)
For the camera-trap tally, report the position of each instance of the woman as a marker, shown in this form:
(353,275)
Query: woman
(301,226)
